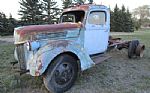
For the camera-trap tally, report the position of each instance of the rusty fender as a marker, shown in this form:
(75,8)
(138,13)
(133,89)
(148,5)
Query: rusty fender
(44,56)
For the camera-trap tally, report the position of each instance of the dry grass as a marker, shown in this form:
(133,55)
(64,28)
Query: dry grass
(116,75)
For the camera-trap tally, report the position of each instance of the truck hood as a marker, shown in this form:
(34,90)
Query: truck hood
(25,33)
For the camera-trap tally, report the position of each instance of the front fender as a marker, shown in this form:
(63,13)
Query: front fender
(45,55)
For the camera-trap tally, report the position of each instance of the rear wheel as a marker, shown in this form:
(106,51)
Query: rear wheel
(132,48)
(140,50)
(61,74)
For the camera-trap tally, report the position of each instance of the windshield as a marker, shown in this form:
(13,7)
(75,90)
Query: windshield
(73,16)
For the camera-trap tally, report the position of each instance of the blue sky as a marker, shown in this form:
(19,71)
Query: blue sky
(12,6)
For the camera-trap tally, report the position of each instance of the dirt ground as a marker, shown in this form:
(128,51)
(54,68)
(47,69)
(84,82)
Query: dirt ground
(115,75)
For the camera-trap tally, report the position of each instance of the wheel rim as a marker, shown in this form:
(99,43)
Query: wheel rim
(63,73)
(142,53)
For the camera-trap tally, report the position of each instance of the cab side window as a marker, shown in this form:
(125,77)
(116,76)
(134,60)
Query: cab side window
(97,18)
(72,16)
(68,18)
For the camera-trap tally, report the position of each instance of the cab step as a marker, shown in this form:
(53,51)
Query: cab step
(14,63)
(21,72)
(98,58)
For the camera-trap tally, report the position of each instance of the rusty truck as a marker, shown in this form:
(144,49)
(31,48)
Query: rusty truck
(59,52)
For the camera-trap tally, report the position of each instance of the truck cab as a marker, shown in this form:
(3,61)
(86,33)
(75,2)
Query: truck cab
(95,20)
(60,51)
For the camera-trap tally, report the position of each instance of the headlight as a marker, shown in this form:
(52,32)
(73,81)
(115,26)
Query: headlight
(32,45)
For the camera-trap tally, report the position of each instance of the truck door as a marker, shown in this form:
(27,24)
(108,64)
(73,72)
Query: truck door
(97,32)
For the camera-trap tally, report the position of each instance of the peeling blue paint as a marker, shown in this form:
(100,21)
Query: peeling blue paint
(46,45)
(47,54)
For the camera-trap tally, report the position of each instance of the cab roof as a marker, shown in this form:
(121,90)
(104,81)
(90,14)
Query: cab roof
(84,7)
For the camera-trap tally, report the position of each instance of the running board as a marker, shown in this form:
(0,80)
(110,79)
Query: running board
(99,58)
(21,72)
(13,63)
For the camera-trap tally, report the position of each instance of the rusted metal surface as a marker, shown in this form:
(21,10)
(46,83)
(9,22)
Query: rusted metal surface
(21,56)
(85,7)
(59,43)
(78,8)
(44,56)
(100,58)
(140,50)
(46,28)
(118,43)
(133,50)
(26,33)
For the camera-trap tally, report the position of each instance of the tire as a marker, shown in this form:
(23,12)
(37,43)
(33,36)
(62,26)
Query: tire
(61,74)
(132,48)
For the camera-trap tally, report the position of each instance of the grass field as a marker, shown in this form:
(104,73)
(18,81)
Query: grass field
(116,75)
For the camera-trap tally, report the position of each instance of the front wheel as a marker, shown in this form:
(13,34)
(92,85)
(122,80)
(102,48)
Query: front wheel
(61,74)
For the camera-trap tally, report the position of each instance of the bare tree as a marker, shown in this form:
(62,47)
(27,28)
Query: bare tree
(142,12)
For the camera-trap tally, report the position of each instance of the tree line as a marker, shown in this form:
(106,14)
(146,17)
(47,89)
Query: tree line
(121,20)
(38,11)
(42,11)
(34,12)
(7,25)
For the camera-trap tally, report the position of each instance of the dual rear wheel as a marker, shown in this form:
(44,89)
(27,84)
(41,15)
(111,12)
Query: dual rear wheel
(135,49)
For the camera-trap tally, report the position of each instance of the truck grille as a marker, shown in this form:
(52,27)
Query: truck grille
(21,56)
